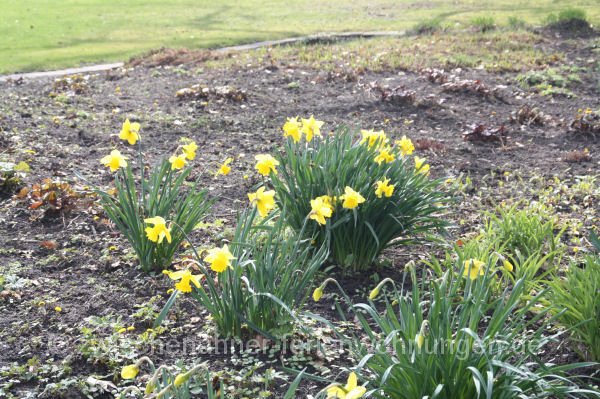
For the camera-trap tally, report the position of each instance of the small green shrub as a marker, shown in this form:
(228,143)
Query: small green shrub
(576,299)
(361,196)
(263,278)
(449,338)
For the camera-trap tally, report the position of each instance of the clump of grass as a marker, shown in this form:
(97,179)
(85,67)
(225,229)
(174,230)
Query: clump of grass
(516,22)
(572,13)
(568,15)
(485,24)
(428,26)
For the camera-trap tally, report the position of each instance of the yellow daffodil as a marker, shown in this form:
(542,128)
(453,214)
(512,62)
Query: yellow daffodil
(508,266)
(311,127)
(373,138)
(266,163)
(385,156)
(185,276)
(130,132)
(474,268)
(421,167)
(383,188)
(321,209)
(263,200)
(351,198)
(129,372)
(224,169)
(350,391)
(406,146)
(219,258)
(159,231)
(114,161)
(177,161)
(58,309)
(292,128)
(190,150)
(328,201)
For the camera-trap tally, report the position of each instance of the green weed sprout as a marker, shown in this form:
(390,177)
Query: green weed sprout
(362,195)
(142,211)
(262,278)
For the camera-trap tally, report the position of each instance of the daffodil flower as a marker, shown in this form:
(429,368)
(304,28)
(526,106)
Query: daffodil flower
(474,268)
(114,161)
(350,391)
(383,188)
(292,128)
(311,127)
(190,150)
(321,209)
(159,231)
(264,200)
(421,167)
(177,161)
(130,132)
(266,163)
(351,198)
(406,146)
(385,156)
(371,138)
(219,258)
(185,276)
(224,169)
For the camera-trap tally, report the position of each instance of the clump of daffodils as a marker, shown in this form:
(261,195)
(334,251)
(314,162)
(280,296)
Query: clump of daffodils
(168,211)
(361,193)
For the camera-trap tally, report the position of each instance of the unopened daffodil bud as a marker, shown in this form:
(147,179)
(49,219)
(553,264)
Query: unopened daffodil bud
(508,266)
(377,289)
(374,293)
(419,339)
(317,294)
(180,379)
(130,372)
(150,387)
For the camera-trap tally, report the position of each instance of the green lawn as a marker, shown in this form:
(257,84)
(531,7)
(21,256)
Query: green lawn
(50,34)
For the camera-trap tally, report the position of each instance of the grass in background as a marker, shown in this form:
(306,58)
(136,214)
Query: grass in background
(61,33)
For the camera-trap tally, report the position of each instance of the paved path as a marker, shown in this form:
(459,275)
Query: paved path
(242,47)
